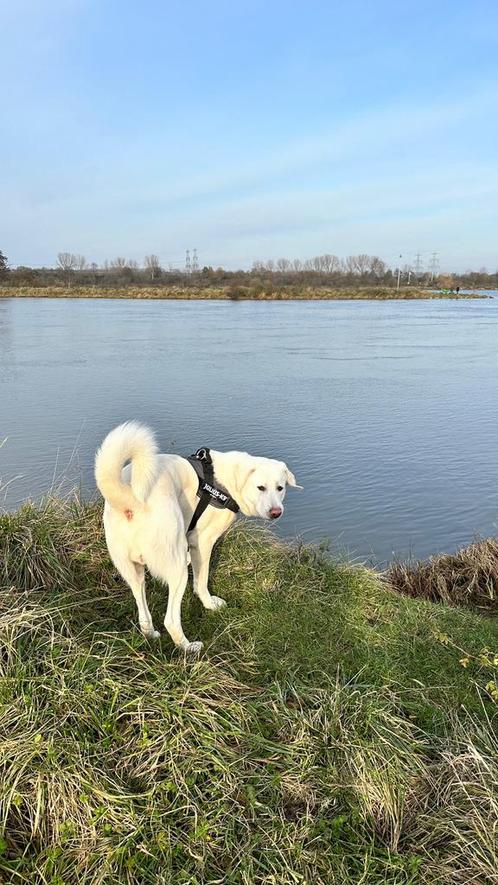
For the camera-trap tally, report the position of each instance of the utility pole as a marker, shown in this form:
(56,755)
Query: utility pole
(434,266)
(195,262)
(188,267)
(399,273)
(418,265)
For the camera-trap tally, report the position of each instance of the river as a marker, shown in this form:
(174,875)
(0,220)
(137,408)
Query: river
(386,411)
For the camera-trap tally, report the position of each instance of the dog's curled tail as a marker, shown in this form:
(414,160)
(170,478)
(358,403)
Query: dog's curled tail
(129,442)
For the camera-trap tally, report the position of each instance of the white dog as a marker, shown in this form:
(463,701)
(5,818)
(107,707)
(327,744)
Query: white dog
(149,514)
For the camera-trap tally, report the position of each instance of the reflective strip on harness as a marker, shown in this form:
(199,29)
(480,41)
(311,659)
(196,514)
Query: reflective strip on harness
(208,491)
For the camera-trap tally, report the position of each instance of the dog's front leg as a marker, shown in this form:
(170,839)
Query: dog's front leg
(200,553)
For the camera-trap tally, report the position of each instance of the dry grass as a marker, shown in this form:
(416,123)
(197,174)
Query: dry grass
(238,293)
(468,577)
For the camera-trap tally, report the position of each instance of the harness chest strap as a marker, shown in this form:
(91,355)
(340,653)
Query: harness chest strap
(208,491)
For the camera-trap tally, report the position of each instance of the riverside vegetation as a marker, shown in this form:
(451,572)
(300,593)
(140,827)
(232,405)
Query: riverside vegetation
(334,731)
(233,293)
(294,276)
(322,277)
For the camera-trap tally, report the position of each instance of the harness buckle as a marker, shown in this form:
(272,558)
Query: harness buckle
(203,455)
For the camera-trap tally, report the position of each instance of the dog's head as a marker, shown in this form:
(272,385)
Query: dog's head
(262,484)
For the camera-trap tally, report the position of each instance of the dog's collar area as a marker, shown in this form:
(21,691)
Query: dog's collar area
(208,490)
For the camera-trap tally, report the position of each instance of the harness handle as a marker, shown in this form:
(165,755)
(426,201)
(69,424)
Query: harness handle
(203,454)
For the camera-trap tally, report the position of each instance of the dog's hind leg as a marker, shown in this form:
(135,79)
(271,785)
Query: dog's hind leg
(134,575)
(177,582)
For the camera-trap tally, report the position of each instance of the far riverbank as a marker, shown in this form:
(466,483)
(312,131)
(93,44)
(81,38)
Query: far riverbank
(234,293)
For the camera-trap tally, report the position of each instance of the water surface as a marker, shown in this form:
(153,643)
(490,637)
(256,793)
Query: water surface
(387,412)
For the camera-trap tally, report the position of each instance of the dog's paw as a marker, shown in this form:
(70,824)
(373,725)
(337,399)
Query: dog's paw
(216,603)
(192,649)
(150,633)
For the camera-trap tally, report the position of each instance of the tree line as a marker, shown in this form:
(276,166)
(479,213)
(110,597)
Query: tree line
(326,270)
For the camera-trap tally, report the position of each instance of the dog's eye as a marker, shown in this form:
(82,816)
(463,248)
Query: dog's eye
(280,488)
(262,488)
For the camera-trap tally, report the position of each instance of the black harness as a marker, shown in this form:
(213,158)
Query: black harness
(208,491)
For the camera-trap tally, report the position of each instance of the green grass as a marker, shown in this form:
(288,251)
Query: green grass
(328,734)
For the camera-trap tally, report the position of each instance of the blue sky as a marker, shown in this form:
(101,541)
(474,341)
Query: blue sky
(249,130)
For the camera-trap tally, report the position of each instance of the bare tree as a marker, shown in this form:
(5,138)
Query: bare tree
(377,267)
(81,262)
(67,263)
(283,265)
(151,262)
(119,263)
(297,265)
(361,263)
(332,263)
(123,268)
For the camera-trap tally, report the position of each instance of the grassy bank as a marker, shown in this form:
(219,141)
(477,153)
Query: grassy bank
(232,293)
(333,732)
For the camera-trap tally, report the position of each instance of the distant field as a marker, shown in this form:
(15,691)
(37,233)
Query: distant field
(232,293)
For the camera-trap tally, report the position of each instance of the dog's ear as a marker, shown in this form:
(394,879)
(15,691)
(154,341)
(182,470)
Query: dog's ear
(291,479)
(242,474)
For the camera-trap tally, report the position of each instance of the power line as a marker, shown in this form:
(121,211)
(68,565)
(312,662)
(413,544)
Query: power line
(195,262)
(188,266)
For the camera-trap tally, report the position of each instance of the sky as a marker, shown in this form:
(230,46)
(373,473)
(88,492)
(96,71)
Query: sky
(249,130)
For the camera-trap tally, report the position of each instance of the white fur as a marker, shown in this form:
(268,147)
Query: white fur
(148,508)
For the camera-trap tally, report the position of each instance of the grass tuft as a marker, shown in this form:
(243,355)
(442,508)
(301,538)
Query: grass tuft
(468,577)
